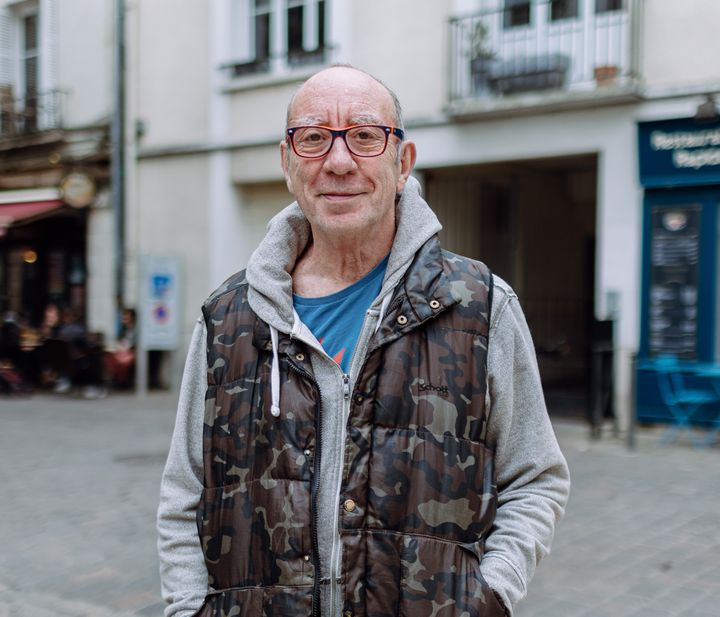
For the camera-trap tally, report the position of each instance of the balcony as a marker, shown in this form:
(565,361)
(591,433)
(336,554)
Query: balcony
(525,54)
(28,115)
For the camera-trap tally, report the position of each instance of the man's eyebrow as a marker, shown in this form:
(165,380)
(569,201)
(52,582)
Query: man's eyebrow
(365,119)
(307,120)
(317,120)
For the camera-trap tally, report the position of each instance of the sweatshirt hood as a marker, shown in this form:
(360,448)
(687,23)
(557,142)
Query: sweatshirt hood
(288,233)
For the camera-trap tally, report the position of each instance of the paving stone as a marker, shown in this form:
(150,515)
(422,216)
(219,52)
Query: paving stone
(80,488)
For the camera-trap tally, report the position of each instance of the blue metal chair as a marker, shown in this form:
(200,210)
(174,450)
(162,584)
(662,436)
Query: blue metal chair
(682,402)
(712,372)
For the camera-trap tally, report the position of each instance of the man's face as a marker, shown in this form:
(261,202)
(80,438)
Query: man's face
(341,193)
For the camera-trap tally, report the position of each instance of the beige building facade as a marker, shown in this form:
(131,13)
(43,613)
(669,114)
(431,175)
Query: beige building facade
(525,115)
(56,221)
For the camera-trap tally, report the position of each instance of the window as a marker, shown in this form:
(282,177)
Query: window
(516,13)
(563,9)
(305,32)
(605,6)
(261,21)
(276,34)
(29,54)
(27,71)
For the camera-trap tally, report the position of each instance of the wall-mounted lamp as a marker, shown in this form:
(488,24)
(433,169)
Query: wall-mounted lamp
(140,129)
(707,111)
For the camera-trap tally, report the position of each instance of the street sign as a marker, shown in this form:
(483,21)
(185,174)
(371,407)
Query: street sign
(160,292)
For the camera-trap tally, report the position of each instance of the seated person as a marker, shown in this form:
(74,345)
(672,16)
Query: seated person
(121,361)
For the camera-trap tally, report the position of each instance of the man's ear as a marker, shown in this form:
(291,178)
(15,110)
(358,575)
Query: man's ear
(285,163)
(408,156)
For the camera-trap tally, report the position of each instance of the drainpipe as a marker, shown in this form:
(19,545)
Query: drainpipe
(117,158)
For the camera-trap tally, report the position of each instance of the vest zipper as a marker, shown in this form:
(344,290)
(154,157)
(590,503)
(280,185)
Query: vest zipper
(314,486)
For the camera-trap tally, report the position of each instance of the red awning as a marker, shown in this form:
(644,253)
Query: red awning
(15,212)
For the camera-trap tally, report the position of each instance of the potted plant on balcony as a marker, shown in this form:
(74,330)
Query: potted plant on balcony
(606,74)
(481,57)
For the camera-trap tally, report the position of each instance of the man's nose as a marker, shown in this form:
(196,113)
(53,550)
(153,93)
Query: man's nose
(339,159)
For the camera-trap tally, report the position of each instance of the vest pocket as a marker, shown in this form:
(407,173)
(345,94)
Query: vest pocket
(256,602)
(242,603)
(443,579)
(256,534)
(435,485)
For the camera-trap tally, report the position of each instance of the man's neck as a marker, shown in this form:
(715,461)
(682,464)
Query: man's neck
(329,265)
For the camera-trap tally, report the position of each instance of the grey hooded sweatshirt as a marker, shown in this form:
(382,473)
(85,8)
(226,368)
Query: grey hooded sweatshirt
(532,475)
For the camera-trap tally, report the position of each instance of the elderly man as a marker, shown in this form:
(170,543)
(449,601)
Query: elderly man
(361,430)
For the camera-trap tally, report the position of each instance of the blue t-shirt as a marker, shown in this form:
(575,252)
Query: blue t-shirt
(336,320)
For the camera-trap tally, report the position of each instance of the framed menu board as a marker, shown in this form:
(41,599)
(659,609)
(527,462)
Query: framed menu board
(674,280)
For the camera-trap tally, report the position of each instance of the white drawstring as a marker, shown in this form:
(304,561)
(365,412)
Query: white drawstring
(275,375)
(383,308)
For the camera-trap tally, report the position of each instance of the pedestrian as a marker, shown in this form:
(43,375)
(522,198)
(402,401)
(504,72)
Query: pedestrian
(361,428)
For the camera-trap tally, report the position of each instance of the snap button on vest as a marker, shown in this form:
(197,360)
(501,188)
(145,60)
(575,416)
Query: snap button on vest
(307,452)
(349,505)
(300,357)
(434,304)
(402,320)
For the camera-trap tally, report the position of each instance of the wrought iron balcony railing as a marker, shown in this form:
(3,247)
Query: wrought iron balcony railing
(28,114)
(535,46)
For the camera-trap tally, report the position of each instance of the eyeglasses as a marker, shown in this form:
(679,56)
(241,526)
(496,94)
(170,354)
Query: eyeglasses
(313,142)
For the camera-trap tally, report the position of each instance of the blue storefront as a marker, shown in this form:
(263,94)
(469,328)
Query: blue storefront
(680,173)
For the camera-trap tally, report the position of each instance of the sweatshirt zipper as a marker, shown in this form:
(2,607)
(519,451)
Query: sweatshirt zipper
(346,386)
(346,390)
(314,487)
(334,569)
(334,574)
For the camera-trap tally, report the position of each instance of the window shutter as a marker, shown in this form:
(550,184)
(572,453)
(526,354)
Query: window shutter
(48,19)
(242,31)
(310,25)
(48,45)
(7,47)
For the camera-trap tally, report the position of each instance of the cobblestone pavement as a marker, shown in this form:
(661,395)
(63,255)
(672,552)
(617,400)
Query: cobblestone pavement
(80,480)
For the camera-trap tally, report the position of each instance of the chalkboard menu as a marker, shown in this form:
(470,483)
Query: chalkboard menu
(673,301)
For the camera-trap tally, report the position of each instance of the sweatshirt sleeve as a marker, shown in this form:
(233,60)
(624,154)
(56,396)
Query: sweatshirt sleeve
(532,476)
(183,574)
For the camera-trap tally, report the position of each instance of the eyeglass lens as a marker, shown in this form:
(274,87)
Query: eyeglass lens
(360,140)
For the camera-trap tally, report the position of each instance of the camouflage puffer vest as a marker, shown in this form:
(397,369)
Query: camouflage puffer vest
(418,495)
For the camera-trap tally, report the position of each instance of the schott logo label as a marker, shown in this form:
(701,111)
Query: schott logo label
(428,387)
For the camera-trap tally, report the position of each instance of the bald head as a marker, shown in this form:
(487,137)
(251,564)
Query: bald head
(326,82)
(346,197)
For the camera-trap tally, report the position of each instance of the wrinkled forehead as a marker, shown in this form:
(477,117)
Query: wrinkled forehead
(340,97)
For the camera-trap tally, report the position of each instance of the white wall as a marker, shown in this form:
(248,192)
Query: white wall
(680,43)
(172,70)
(173,220)
(85,39)
(259,115)
(101,313)
(257,204)
(404,43)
